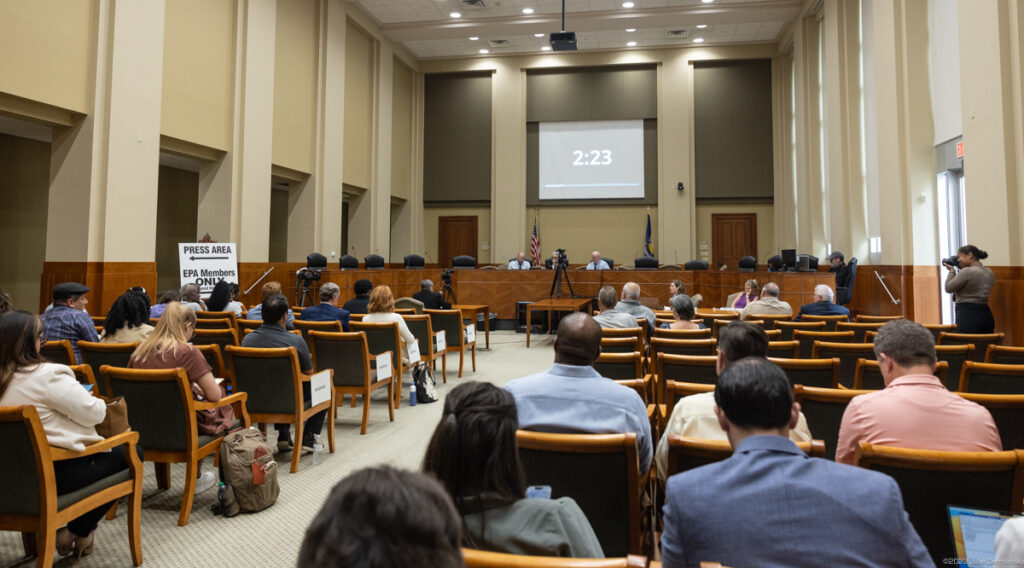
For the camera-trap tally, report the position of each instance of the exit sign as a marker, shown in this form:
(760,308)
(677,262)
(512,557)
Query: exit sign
(960,149)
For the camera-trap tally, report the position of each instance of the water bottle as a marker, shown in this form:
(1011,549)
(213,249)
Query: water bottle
(412,394)
(318,450)
(220,492)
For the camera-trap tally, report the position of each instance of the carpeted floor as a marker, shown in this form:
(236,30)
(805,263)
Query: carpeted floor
(272,537)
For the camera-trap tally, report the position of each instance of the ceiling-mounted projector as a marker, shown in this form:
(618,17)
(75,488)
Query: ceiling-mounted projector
(563,41)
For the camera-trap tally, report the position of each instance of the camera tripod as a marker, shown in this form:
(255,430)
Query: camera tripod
(556,283)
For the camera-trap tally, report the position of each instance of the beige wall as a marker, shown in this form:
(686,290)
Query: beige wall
(295,65)
(401,131)
(47,49)
(765,229)
(24,191)
(483,226)
(359,107)
(177,202)
(199,46)
(616,231)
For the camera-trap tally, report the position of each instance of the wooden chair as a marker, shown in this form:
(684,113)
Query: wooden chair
(787,327)
(1008,412)
(784,349)
(770,321)
(711,317)
(486,559)
(700,369)
(991,378)
(869,377)
(823,409)
(58,352)
(304,327)
(807,339)
(248,324)
(161,409)
(932,480)
(821,373)
(956,356)
(230,316)
(385,338)
(1004,355)
(686,453)
(31,504)
(274,382)
(936,329)
(349,356)
(864,318)
(84,375)
(980,341)
(720,323)
(620,366)
(600,472)
(219,337)
(98,354)
(683,346)
(869,336)
(683,333)
(641,387)
(405,311)
(620,344)
(847,353)
(638,332)
(830,321)
(421,327)
(214,323)
(858,329)
(406,303)
(450,321)
(214,356)
(774,334)
(98,321)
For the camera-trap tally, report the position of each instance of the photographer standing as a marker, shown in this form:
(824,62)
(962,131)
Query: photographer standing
(971,288)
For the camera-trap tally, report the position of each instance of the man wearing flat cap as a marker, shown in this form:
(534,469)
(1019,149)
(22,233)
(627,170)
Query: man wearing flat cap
(842,271)
(67,319)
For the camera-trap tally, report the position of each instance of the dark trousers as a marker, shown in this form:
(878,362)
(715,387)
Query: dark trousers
(75,474)
(974,318)
(313,426)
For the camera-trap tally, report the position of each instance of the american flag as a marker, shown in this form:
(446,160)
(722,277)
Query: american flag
(535,244)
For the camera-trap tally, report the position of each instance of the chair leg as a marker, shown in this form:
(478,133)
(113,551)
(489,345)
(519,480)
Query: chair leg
(112,513)
(474,357)
(297,450)
(46,544)
(134,523)
(366,409)
(397,378)
(330,426)
(462,356)
(353,401)
(191,469)
(163,475)
(391,405)
(28,542)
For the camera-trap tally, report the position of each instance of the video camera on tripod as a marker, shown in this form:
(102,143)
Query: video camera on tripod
(316,263)
(563,260)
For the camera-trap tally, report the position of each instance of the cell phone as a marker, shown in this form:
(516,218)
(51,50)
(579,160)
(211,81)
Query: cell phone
(87,387)
(538,492)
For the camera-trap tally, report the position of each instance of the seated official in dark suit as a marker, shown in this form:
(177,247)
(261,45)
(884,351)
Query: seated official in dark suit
(770,504)
(823,305)
(431,300)
(358,304)
(327,309)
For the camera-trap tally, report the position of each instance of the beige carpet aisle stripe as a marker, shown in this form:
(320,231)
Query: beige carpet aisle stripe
(272,537)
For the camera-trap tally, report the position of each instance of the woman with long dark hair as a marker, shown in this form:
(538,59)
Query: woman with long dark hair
(971,288)
(128,319)
(473,453)
(220,298)
(68,413)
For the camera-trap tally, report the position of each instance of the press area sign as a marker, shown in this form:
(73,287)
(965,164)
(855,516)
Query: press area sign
(206,264)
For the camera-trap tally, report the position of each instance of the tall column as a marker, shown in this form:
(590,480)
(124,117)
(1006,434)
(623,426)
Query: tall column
(508,160)
(676,211)
(102,214)
(380,229)
(330,120)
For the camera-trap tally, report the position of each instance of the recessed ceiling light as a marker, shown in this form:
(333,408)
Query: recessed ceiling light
(630,44)
(707,1)
(473,38)
(627,4)
(455,15)
(538,35)
(527,11)
(484,51)
(698,40)
(630,30)
(546,48)
(701,26)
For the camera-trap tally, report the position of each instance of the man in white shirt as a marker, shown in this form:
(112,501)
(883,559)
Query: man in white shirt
(520,262)
(767,304)
(596,262)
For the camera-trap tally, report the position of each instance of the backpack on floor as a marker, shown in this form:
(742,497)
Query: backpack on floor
(248,468)
(426,390)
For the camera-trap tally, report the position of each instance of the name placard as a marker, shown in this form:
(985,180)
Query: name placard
(320,388)
(383,366)
(441,345)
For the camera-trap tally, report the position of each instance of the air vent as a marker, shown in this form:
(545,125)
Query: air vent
(473,3)
(499,43)
(677,34)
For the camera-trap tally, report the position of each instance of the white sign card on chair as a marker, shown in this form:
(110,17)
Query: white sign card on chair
(441,345)
(383,366)
(414,352)
(470,333)
(320,388)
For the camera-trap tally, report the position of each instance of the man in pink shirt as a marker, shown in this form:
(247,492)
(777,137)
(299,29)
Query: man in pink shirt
(914,410)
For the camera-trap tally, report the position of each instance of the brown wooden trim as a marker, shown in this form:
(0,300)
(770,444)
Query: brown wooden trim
(108,280)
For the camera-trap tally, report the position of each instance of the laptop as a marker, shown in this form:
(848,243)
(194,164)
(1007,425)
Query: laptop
(974,534)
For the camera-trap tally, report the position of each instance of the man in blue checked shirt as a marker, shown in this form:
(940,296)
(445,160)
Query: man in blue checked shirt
(68,319)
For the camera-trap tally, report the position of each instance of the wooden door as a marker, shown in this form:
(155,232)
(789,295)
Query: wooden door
(733,236)
(455,236)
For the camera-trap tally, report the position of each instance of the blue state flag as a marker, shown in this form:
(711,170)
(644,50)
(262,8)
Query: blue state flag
(648,246)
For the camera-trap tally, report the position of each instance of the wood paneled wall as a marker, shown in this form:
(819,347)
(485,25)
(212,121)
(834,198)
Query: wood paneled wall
(108,280)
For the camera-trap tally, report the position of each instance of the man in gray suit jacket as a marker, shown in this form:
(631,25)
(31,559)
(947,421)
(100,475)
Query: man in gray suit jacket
(771,505)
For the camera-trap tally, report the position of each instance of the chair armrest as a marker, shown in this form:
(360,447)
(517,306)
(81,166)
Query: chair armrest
(306,378)
(129,437)
(373,357)
(226,401)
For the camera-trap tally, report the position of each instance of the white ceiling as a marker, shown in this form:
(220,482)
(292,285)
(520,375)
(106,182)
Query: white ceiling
(426,29)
